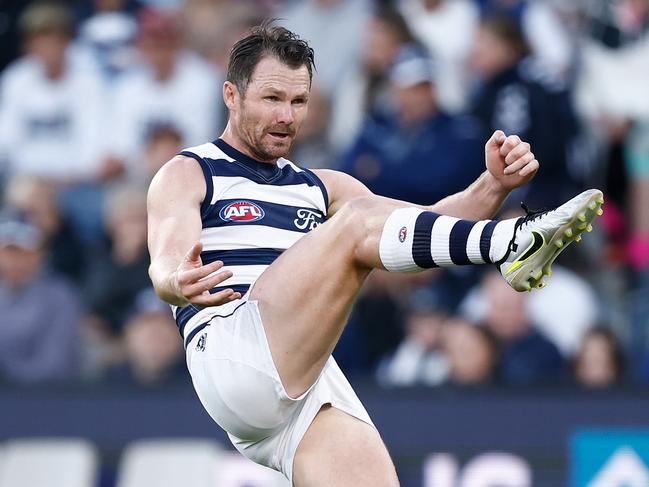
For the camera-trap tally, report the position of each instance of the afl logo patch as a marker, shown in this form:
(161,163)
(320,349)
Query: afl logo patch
(402,234)
(242,211)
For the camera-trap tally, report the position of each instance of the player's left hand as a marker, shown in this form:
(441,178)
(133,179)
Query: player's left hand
(509,160)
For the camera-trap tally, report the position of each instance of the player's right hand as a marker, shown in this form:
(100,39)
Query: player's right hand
(509,160)
(193,280)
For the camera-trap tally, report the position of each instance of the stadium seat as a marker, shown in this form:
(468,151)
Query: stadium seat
(49,463)
(169,463)
(199,463)
(237,471)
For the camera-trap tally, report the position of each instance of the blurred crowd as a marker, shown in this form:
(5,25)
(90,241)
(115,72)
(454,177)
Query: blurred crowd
(95,96)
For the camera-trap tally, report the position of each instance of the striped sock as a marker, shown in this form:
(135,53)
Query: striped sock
(414,240)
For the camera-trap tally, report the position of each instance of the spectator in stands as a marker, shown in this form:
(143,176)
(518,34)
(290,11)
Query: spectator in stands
(446,28)
(212,27)
(37,199)
(551,28)
(118,268)
(162,143)
(517,95)
(611,89)
(416,152)
(154,352)
(471,352)
(311,147)
(39,311)
(367,86)
(636,249)
(419,358)
(108,36)
(526,356)
(637,164)
(600,360)
(173,87)
(52,113)
(612,97)
(336,54)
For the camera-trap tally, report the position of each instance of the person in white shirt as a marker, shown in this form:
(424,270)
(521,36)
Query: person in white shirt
(447,29)
(339,48)
(51,107)
(173,88)
(419,358)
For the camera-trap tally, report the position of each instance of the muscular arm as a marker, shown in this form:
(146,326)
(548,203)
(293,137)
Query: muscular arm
(510,164)
(480,201)
(174,230)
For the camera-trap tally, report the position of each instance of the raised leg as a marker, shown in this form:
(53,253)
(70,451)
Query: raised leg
(306,295)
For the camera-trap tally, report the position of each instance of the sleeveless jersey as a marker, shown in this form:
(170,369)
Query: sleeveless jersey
(251,213)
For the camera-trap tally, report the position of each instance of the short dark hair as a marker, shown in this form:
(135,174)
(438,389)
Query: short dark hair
(267,40)
(392,17)
(509,31)
(46,17)
(614,346)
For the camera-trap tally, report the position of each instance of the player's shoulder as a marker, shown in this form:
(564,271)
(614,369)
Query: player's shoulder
(180,170)
(330,177)
(180,180)
(208,150)
(338,182)
(178,184)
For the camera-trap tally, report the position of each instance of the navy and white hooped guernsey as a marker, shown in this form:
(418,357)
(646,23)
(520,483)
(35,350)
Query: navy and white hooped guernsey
(251,213)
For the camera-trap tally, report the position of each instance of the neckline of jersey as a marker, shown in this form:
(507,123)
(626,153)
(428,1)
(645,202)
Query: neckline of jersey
(265,168)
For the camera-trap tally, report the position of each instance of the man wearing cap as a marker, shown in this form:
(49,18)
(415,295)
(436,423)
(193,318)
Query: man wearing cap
(39,311)
(416,152)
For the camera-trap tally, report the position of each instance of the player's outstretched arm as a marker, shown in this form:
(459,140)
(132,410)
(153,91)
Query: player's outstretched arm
(174,229)
(510,164)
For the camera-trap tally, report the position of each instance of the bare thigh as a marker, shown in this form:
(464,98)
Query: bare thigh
(306,295)
(339,450)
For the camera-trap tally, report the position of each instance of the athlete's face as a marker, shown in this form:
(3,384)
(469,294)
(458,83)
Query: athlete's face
(267,117)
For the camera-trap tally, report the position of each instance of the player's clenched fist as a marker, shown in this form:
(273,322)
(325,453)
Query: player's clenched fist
(193,280)
(510,160)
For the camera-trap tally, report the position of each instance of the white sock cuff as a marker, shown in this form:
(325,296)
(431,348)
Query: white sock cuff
(500,239)
(395,247)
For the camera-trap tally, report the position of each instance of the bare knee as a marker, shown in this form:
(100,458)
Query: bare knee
(339,450)
(354,213)
(359,222)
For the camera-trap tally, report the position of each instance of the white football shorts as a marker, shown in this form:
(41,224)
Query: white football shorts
(236,381)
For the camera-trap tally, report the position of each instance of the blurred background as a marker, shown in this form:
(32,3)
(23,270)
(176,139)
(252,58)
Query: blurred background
(471,384)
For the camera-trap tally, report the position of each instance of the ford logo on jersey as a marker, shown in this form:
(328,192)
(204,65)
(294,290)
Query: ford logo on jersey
(242,211)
